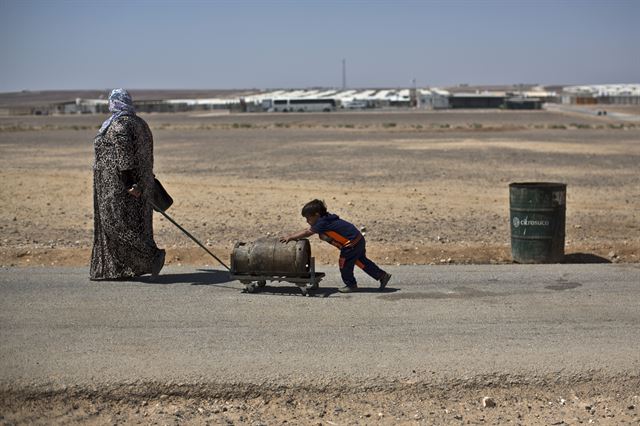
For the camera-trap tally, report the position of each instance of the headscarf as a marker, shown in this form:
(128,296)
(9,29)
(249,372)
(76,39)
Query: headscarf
(120,103)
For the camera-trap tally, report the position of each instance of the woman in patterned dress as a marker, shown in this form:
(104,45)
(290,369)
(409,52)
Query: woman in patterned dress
(123,244)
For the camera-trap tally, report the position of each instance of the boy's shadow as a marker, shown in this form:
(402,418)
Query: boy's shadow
(201,277)
(318,292)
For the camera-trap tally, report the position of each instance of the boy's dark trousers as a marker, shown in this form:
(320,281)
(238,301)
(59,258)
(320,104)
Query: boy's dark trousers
(350,257)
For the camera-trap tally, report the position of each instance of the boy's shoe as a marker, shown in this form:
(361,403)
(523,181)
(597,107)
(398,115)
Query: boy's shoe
(347,289)
(384,280)
(158,263)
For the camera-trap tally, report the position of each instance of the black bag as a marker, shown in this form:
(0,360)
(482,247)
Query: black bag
(161,198)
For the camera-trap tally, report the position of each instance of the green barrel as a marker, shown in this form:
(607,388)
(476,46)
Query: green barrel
(538,212)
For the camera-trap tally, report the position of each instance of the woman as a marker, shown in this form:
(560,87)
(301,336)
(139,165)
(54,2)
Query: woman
(123,244)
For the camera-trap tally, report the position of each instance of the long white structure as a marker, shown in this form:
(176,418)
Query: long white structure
(605,90)
(622,94)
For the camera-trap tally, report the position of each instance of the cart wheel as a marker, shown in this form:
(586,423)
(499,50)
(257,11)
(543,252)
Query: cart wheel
(261,283)
(251,288)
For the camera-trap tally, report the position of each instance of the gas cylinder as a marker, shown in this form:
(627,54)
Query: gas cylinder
(268,256)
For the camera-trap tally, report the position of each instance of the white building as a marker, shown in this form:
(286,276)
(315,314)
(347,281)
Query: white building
(433,99)
(602,94)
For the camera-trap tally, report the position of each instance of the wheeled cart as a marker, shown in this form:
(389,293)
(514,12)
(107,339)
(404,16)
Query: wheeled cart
(306,282)
(253,264)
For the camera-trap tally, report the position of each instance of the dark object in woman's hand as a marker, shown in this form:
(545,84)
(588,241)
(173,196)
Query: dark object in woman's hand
(161,198)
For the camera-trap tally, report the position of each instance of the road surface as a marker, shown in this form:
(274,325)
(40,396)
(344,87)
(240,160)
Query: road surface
(436,323)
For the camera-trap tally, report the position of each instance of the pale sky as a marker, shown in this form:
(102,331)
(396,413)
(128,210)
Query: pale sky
(53,44)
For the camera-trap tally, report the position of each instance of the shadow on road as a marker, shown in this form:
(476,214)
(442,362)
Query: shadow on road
(585,258)
(319,292)
(201,277)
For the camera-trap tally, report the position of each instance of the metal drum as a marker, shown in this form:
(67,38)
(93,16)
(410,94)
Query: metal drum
(538,211)
(268,256)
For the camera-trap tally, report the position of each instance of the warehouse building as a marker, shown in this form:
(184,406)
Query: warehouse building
(521,102)
(477,100)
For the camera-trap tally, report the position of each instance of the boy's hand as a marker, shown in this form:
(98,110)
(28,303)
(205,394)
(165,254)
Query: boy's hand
(297,236)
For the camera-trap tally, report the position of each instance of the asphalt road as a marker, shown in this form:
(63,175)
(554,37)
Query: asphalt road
(434,323)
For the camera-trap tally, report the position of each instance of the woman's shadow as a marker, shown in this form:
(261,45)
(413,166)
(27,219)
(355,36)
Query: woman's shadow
(200,277)
(217,278)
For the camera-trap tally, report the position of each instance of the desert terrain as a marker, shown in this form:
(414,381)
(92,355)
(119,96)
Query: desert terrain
(426,187)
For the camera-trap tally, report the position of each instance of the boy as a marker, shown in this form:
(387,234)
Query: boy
(346,237)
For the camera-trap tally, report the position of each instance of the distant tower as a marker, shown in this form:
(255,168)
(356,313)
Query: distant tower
(344,74)
(413,94)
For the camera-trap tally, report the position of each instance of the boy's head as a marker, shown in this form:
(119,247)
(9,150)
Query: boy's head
(313,210)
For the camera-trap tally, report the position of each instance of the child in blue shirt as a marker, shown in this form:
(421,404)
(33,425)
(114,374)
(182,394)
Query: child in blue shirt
(344,236)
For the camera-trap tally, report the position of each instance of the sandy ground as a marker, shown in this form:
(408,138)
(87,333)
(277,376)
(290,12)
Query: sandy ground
(611,402)
(428,187)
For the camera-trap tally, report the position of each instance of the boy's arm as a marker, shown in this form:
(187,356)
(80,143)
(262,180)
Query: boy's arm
(297,236)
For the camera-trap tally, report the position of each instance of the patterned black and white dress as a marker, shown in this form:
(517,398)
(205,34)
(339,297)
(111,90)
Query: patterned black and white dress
(123,243)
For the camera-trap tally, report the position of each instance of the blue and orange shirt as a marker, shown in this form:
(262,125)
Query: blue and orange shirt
(336,231)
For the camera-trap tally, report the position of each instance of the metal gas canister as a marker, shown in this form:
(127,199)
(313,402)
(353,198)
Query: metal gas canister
(268,256)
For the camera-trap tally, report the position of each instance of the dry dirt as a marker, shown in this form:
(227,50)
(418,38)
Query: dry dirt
(428,187)
(591,401)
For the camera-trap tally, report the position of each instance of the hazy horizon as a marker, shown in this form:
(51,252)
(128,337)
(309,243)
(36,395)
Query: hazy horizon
(245,45)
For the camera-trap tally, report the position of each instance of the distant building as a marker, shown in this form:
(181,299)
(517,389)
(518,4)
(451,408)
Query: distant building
(433,99)
(542,95)
(83,106)
(299,105)
(182,105)
(477,100)
(519,102)
(618,94)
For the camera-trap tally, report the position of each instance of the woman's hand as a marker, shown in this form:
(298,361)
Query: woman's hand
(134,191)
(285,239)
